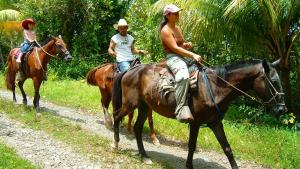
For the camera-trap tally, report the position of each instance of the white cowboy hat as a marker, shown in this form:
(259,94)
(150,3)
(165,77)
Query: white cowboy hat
(122,22)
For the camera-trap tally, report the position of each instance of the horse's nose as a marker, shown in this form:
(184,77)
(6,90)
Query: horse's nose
(282,109)
(68,57)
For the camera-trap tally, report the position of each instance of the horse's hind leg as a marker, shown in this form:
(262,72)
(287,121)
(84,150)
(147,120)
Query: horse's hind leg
(14,93)
(130,117)
(20,84)
(218,130)
(118,116)
(138,129)
(105,100)
(152,132)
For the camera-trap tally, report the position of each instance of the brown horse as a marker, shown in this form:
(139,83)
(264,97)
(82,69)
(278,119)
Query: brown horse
(137,88)
(36,67)
(102,76)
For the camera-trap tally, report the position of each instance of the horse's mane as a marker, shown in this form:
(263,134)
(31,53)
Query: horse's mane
(223,70)
(46,40)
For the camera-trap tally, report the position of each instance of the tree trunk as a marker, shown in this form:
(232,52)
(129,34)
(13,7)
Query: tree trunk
(286,84)
(298,81)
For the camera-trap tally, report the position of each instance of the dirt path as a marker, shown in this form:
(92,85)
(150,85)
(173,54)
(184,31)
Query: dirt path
(39,148)
(171,154)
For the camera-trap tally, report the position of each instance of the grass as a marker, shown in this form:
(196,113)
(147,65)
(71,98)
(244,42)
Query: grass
(91,145)
(276,147)
(10,160)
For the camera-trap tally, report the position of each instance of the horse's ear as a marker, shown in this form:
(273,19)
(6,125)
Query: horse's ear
(59,36)
(276,63)
(266,66)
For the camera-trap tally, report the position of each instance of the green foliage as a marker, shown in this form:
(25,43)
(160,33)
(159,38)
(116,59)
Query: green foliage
(10,159)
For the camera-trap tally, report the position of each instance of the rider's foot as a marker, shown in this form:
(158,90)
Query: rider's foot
(18,60)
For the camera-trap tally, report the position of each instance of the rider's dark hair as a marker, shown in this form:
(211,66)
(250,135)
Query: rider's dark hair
(163,22)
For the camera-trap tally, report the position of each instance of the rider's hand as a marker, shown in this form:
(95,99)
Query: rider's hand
(198,58)
(143,52)
(112,53)
(187,45)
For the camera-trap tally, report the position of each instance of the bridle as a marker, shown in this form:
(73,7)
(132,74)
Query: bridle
(274,95)
(56,47)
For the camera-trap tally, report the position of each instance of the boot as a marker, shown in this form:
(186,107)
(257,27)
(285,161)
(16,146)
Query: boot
(183,112)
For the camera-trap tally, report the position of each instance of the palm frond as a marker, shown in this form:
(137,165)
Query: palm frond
(9,15)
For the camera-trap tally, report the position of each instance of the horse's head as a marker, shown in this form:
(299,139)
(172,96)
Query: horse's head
(268,86)
(61,48)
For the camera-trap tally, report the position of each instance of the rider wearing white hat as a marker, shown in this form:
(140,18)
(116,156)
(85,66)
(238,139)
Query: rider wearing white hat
(122,46)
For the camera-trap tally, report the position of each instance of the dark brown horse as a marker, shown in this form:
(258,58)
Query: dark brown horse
(36,67)
(137,88)
(102,76)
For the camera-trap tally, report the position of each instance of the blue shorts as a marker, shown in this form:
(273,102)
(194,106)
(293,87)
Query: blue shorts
(25,47)
(123,66)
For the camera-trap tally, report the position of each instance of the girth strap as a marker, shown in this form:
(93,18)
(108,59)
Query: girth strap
(204,76)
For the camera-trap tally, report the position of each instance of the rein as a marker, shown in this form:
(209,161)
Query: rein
(246,94)
(45,51)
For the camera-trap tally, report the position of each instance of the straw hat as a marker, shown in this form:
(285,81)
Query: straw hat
(122,22)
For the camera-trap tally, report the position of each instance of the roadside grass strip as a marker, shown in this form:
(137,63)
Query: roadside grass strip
(9,159)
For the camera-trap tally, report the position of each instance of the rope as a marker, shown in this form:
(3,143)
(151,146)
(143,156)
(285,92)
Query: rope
(44,50)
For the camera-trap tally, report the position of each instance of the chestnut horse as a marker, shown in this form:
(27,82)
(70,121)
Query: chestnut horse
(102,76)
(36,67)
(137,88)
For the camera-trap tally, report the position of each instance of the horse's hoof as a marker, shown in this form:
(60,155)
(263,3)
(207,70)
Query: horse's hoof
(38,115)
(114,145)
(25,102)
(147,161)
(156,142)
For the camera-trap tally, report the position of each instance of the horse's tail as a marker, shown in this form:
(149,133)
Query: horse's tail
(117,93)
(9,74)
(90,76)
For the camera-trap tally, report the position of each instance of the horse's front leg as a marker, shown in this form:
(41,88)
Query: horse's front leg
(105,100)
(218,130)
(20,84)
(37,83)
(194,130)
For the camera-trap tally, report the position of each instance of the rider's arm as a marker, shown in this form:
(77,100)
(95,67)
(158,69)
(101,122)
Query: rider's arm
(137,51)
(111,49)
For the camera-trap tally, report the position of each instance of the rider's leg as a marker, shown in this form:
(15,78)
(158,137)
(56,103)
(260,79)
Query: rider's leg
(180,70)
(20,54)
(123,66)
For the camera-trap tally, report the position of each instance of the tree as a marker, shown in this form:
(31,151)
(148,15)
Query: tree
(271,26)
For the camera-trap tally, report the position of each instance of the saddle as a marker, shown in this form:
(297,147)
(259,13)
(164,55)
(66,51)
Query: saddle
(166,82)
(23,66)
